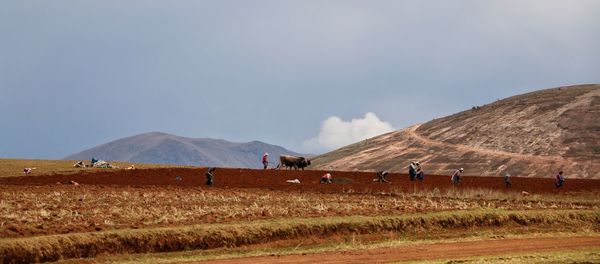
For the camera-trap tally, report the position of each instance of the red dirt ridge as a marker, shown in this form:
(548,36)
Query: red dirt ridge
(358,182)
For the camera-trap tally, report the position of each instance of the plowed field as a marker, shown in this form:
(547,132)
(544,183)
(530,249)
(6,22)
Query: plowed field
(120,199)
(37,206)
(361,182)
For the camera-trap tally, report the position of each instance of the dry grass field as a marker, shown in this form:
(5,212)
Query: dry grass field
(14,167)
(40,210)
(115,215)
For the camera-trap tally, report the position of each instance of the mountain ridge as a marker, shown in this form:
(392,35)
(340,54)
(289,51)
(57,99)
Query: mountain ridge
(163,148)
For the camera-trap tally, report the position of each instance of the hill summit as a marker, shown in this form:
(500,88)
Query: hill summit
(533,134)
(163,148)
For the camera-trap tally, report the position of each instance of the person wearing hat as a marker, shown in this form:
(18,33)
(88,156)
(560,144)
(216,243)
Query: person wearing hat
(419,170)
(412,171)
(507,181)
(456,176)
(265,160)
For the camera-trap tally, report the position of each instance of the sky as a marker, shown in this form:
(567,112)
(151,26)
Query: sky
(307,75)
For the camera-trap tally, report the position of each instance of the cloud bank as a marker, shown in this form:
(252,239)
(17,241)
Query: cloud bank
(336,133)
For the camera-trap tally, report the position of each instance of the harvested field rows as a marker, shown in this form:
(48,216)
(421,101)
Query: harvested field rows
(43,210)
(119,199)
(49,217)
(84,245)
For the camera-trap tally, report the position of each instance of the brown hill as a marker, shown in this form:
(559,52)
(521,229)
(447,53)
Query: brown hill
(163,148)
(533,134)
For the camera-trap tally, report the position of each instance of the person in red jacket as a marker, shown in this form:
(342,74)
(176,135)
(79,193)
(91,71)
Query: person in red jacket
(265,160)
(326,178)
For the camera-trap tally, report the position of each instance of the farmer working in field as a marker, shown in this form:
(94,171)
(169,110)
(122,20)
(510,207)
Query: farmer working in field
(559,180)
(265,160)
(412,171)
(326,178)
(456,176)
(381,176)
(419,171)
(507,182)
(209,176)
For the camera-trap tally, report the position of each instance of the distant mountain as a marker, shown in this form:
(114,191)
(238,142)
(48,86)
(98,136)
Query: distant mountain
(533,134)
(162,148)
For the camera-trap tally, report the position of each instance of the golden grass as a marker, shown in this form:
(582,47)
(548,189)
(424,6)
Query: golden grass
(14,167)
(491,195)
(42,210)
(83,245)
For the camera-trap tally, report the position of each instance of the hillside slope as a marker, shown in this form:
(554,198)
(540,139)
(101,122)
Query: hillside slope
(533,134)
(162,148)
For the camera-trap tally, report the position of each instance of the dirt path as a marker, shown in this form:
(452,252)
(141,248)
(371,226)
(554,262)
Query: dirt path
(412,131)
(432,251)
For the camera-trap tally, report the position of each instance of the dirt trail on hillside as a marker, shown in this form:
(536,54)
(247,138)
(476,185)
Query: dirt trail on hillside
(412,131)
(430,252)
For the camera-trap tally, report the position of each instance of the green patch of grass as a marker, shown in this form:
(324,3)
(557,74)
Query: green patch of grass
(14,167)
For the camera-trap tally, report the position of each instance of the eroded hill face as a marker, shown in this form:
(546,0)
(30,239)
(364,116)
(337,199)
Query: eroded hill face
(534,134)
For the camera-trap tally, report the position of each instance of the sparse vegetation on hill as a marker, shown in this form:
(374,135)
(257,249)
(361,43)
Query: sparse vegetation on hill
(534,134)
(554,122)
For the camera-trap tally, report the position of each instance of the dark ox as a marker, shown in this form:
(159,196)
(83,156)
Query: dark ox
(293,162)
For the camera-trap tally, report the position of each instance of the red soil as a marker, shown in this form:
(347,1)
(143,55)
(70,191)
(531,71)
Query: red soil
(276,180)
(359,182)
(434,251)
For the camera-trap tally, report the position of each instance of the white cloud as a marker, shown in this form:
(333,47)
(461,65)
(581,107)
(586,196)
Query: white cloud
(336,133)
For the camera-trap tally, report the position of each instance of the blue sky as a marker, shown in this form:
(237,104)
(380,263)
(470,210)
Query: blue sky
(306,75)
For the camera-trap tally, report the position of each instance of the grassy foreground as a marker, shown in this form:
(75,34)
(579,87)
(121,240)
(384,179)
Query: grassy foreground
(590,255)
(84,245)
(358,243)
(14,167)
